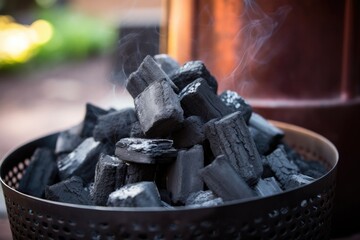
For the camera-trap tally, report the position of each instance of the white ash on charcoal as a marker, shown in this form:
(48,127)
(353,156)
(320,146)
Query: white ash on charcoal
(90,120)
(198,99)
(141,194)
(113,126)
(230,136)
(147,73)
(110,174)
(203,199)
(221,178)
(285,171)
(146,151)
(190,133)
(266,136)
(237,104)
(158,110)
(267,187)
(191,71)
(66,142)
(41,172)
(71,190)
(183,177)
(167,63)
(136,131)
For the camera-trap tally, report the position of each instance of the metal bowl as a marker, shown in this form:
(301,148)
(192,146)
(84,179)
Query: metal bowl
(300,213)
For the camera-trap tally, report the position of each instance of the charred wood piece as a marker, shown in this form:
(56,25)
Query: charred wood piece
(198,99)
(167,63)
(115,125)
(267,187)
(236,103)
(147,73)
(224,181)
(69,191)
(183,177)
(90,119)
(158,110)
(190,133)
(41,172)
(142,194)
(230,136)
(191,71)
(146,151)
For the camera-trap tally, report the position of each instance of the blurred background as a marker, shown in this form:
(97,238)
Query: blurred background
(297,61)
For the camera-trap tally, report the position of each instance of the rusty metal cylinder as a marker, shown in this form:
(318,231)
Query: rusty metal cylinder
(295,61)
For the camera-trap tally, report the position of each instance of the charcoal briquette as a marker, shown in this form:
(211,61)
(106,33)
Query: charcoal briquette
(158,110)
(90,120)
(183,177)
(115,125)
(147,73)
(267,187)
(71,190)
(190,133)
(237,104)
(221,178)
(191,71)
(198,99)
(230,136)
(41,172)
(146,151)
(142,194)
(66,142)
(167,63)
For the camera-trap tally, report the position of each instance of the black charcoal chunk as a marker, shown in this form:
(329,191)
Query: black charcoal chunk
(142,194)
(297,180)
(281,166)
(224,181)
(148,151)
(115,125)
(230,136)
(167,63)
(236,103)
(183,177)
(191,71)
(90,120)
(109,174)
(139,172)
(190,133)
(267,187)
(41,172)
(85,152)
(66,142)
(136,131)
(198,99)
(158,110)
(69,191)
(203,198)
(265,135)
(148,72)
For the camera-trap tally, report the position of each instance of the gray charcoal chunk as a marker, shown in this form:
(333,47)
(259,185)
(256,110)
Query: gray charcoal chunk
(147,73)
(147,151)
(224,181)
(86,150)
(66,142)
(69,191)
(115,125)
(230,136)
(236,103)
(190,133)
(297,180)
(90,119)
(139,172)
(191,71)
(41,172)
(264,143)
(183,177)
(106,177)
(158,110)
(142,194)
(167,63)
(267,187)
(198,99)
(203,198)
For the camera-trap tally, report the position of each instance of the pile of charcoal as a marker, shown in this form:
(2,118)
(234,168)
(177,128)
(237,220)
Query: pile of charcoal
(181,145)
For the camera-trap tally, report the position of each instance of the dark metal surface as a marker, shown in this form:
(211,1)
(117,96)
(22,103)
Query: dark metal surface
(302,213)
